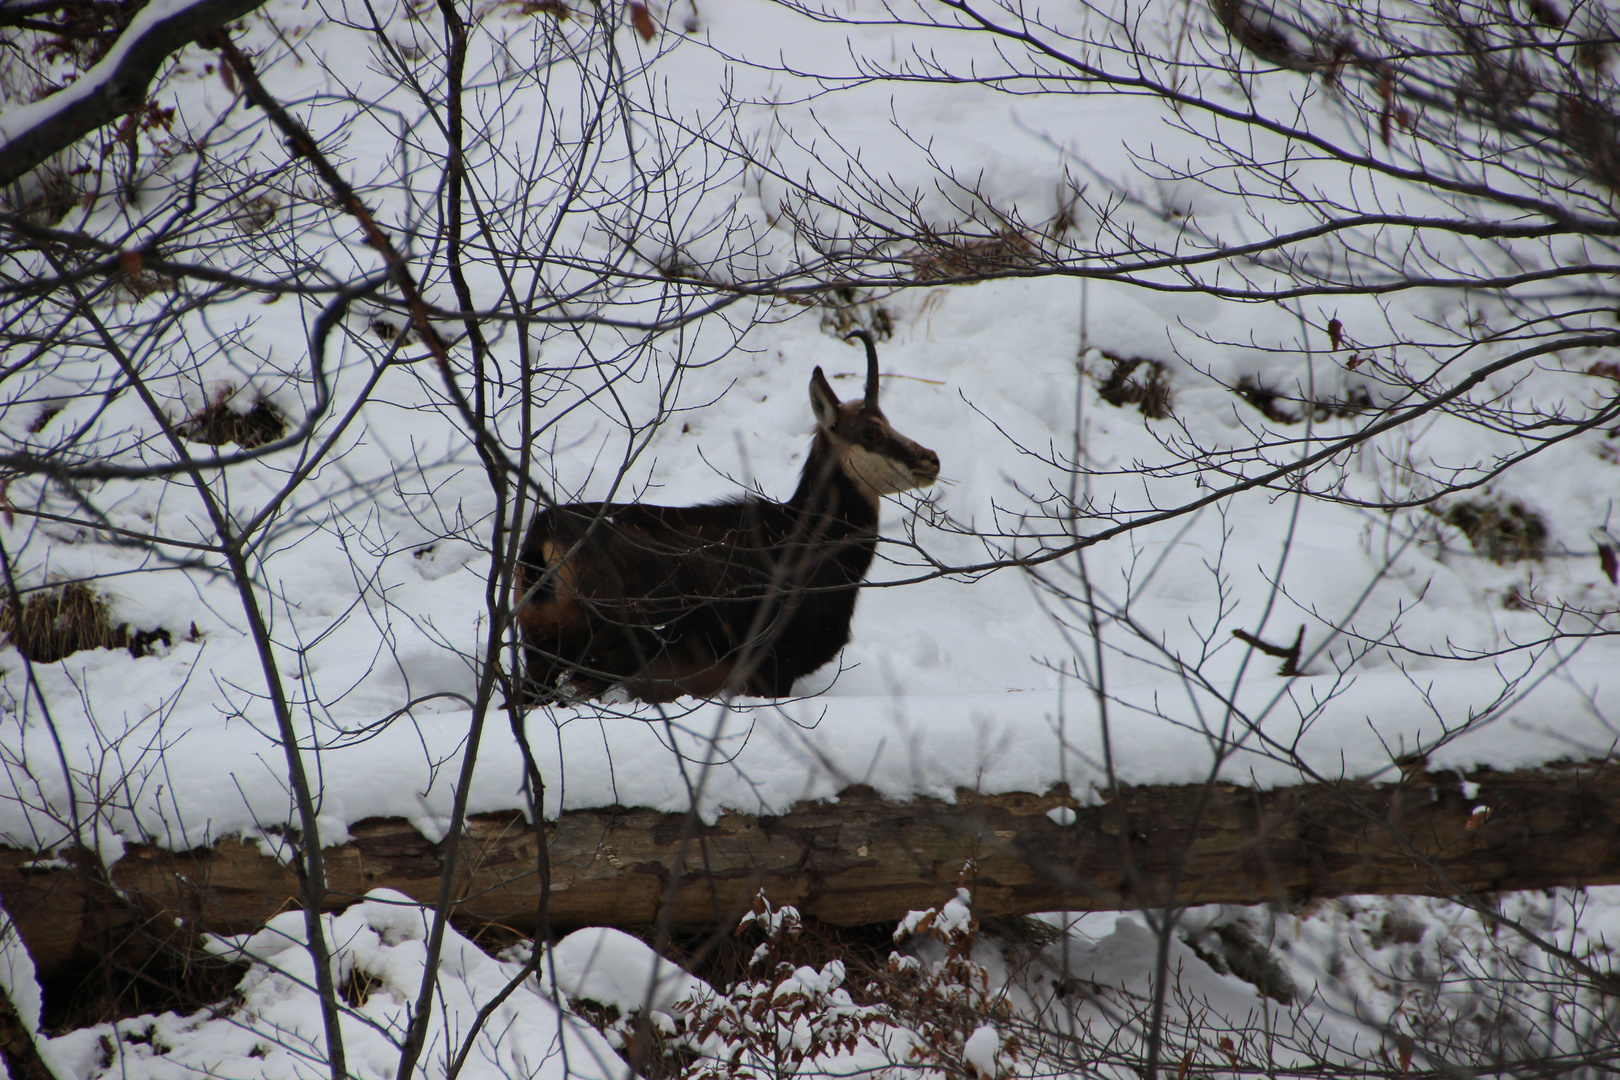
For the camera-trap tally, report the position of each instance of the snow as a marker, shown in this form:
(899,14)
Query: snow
(1361,966)
(17,979)
(954,918)
(375,573)
(219,777)
(981,1049)
(610,967)
(950,682)
(275,1028)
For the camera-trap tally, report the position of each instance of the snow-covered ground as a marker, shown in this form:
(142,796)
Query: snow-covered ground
(376,567)
(1342,985)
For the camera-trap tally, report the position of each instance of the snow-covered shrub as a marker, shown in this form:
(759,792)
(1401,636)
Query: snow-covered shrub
(781,1018)
(935,1012)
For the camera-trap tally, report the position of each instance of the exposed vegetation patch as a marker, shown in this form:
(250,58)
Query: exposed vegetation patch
(141,285)
(1137,381)
(223,421)
(1283,409)
(846,308)
(1398,927)
(255,214)
(47,413)
(140,966)
(357,988)
(1502,532)
(972,256)
(1232,948)
(57,622)
(864,949)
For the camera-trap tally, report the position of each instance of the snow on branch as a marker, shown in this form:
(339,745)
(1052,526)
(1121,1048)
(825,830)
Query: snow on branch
(29,134)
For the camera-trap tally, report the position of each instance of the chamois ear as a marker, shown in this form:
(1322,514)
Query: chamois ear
(823,402)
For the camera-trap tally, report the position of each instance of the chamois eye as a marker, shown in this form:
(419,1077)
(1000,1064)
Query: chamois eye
(871,436)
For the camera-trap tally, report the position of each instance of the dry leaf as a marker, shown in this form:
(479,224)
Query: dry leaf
(1335,332)
(1606,559)
(131,262)
(1386,90)
(642,20)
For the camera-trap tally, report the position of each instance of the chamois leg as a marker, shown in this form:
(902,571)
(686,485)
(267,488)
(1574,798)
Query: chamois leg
(550,678)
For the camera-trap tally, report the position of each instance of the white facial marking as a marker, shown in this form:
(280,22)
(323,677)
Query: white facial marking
(879,474)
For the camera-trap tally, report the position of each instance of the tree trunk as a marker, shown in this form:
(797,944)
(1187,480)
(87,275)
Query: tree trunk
(862,859)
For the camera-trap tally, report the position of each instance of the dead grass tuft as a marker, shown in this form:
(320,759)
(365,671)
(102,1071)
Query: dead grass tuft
(1502,532)
(219,423)
(1137,381)
(57,622)
(965,256)
(358,986)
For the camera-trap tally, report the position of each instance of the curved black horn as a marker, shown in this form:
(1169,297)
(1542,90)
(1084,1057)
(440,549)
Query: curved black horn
(871,366)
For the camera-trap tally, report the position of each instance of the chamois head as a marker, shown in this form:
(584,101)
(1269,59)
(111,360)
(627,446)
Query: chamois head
(880,460)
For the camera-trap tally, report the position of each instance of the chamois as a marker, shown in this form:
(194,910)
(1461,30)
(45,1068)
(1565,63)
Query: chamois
(743,596)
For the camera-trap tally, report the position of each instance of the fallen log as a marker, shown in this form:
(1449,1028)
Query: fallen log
(863,859)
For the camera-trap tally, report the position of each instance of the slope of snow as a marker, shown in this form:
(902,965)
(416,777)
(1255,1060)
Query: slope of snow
(376,570)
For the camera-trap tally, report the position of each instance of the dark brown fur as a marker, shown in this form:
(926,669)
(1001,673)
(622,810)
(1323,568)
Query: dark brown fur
(743,596)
